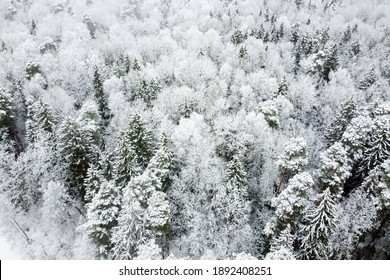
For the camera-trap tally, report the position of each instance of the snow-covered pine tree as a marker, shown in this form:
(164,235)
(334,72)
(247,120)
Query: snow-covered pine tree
(368,79)
(282,87)
(162,162)
(135,150)
(149,251)
(282,247)
(271,113)
(101,99)
(126,163)
(232,211)
(293,159)
(320,222)
(237,37)
(5,108)
(357,215)
(235,173)
(7,119)
(186,110)
(92,182)
(326,61)
(335,168)
(334,131)
(102,216)
(377,149)
(140,140)
(147,91)
(78,149)
(144,215)
(291,204)
(385,193)
(39,120)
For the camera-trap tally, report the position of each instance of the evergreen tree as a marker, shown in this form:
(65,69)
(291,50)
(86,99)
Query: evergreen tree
(126,163)
(148,91)
(6,115)
(355,48)
(347,35)
(385,187)
(102,217)
(271,113)
(259,34)
(39,119)
(186,110)
(33,28)
(232,211)
(135,150)
(101,99)
(7,119)
(282,87)
(290,204)
(280,32)
(266,37)
(336,128)
(79,151)
(140,139)
(326,61)
(92,182)
(320,223)
(243,52)
(144,215)
(235,171)
(237,37)
(368,79)
(135,65)
(335,168)
(282,247)
(295,33)
(293,160)
(32,68)
(162,162)
(377,150)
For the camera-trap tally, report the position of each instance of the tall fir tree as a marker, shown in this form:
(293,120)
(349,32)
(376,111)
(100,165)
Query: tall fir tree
(235,171)
(135,150)
(144,215)
(140,139)
(377,149)
(92,182)
(334,131)
(282,87)
(148,91)
(101,99)
(78,149)
(291,204)
(292,161)
(6,115)
(282,247)
(368,79)
(126,162)
(162,162)
(7,119)
(320,223)
(231,207)
(102,217)
(335,169)
(39,119)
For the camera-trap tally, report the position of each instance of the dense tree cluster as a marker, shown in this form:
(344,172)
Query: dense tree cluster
(168,129)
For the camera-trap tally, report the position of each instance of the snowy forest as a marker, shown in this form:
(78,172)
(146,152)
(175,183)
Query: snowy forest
(195,129)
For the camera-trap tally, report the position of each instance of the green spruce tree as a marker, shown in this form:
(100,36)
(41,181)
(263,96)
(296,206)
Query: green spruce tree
(101,99)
